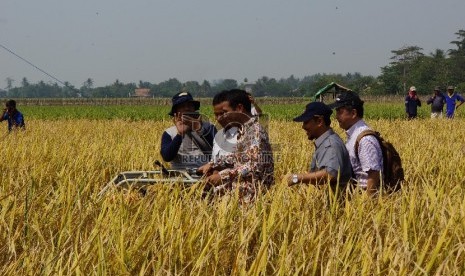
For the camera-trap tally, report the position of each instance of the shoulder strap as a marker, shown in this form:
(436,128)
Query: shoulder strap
(200,142)
(363,134)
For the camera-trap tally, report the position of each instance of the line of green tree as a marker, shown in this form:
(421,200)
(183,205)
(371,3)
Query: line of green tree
(408,66)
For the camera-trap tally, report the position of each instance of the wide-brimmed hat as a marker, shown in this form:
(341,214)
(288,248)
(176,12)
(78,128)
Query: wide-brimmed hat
(180,98)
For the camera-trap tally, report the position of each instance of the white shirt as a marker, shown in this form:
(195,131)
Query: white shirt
(369,153)
(253,111)
(224,143)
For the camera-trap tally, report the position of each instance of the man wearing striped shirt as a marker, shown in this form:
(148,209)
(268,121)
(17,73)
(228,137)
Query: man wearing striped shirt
(367,164)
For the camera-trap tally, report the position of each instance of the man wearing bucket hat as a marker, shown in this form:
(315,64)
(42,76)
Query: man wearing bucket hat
(187,144)
(451,99)
(330,161)
(367,163)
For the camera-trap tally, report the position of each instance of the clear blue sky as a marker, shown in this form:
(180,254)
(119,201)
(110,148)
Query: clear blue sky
(212,39)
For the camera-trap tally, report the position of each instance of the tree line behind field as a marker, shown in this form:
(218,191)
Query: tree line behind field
(408,66)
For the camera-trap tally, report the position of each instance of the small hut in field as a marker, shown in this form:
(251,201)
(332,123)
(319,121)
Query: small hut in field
(330,89)
(141,93)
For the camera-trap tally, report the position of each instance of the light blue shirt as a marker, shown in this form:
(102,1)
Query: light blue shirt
(332,156)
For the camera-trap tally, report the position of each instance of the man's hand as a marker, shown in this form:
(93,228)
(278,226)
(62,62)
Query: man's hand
(288,179)
(373,182)
(194,122)
(214,179)
(181,127)
(205,169)
(319,177)
(181,124)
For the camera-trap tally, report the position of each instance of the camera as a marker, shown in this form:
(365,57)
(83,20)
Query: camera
(193,115)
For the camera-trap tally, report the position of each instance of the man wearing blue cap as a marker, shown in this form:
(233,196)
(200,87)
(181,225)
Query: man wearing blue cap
(187,144)
(330,162)
(367,161)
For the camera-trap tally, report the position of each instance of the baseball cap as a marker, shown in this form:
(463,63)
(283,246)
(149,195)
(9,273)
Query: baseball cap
(412,88)
(347,99)
(313,109)
(181,98)
(450,87)
(437,88)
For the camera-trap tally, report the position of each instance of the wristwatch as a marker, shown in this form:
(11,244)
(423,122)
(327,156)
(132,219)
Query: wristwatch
(295,179)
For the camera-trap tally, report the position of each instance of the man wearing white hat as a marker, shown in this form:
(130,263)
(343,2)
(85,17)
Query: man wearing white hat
(411,103)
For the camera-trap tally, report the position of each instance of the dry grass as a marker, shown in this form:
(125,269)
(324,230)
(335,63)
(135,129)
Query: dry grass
(51,221)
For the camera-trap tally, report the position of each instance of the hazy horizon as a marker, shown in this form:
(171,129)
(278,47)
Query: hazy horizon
(157,40)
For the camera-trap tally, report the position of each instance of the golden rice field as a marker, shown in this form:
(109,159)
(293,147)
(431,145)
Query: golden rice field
(53,223)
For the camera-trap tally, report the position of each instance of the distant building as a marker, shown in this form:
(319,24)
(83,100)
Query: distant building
(141,93)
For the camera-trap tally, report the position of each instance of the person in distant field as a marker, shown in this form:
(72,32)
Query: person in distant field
(13,116)
(451,99)
(255,109)
(437,102)
(330,161)
(187,144)
(367,163)
(249,168)
(411,103)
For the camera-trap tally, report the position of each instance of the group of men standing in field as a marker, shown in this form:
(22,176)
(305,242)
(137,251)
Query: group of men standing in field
(239,157)
(437,102)
(333,160)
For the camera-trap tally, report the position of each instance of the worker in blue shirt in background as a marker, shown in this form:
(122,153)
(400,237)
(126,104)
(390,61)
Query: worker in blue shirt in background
(13,116)
(451,99)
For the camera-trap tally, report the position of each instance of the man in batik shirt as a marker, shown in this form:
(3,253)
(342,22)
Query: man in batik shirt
(249,169)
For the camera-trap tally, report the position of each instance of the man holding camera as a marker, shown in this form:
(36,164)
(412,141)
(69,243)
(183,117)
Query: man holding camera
(187,144)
